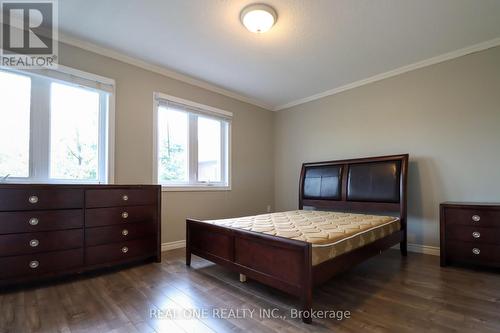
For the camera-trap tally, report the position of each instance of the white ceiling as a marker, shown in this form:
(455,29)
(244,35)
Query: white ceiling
(316,45)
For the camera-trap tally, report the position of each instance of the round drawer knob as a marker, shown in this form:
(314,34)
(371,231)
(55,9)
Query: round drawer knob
(124,215)
(125,197)
(476,218)
(34,242)
(476,251)
(34,264)
(476,234)
(124,232)
(33,221)
(124,249)
(33,199)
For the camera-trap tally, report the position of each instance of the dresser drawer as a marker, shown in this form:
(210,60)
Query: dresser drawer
(120,197)
(473,234)
(37,264)
(123,251)
(472,217)
(37,199)
(473,252)
(119,215)
(118,233)
(32,221)
(17,244)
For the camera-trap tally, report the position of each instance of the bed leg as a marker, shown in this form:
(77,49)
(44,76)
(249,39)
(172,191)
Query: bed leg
(188,257)
(404,247)
(188,248)
(307,285)
(307,306)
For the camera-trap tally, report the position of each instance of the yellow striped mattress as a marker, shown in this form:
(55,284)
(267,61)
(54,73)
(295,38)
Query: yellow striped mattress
(330,233)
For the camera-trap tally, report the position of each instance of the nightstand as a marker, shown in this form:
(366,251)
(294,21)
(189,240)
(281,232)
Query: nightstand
(470,233)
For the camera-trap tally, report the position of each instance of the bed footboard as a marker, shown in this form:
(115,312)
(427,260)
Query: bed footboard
(281,263)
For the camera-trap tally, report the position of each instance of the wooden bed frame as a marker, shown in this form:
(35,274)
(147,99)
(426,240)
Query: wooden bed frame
(286,264)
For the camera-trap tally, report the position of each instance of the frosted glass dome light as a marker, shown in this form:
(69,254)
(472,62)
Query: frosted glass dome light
(258,18)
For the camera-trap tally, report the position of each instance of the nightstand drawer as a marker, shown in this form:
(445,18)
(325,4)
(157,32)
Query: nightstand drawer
(473,252)
(119,215)
(120,197)
(18,244)
(472,217)
(473,234)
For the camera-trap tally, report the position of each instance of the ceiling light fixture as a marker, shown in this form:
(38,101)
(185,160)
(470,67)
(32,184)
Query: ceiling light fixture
(258,18)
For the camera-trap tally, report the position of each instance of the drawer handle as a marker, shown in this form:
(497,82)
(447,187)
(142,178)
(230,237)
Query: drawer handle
(476,251)
(34,242)
(124,249)
(34,264)
(125,198)
(476,218)
(476,234)
(124,215)
(33,221)
(33,199)
(124,232)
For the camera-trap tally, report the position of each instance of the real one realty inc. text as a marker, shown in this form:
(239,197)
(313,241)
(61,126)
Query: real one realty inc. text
(231,313)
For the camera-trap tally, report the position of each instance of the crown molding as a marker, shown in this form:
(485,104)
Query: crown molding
(107,52)
(424,63)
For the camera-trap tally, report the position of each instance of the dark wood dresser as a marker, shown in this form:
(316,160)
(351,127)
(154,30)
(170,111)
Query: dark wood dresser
(53,230)
(470,233)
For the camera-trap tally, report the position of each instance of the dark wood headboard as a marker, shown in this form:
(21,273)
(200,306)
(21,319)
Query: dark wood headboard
(372,184)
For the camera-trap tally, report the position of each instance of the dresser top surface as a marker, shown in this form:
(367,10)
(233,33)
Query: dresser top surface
(470,204)
(75,186)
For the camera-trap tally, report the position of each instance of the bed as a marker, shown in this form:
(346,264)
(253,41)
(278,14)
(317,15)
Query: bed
(349,211)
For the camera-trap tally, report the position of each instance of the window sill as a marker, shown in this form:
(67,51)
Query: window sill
(51,182)
(194,188)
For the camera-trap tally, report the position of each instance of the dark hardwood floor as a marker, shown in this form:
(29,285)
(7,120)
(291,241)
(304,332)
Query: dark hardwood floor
(384,294)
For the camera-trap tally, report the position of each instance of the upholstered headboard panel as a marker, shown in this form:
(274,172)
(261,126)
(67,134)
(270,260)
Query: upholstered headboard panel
(323,182)
(370,184)
(374,181)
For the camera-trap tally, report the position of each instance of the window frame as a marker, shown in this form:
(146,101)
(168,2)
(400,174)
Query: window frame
(40,135)
(202,111)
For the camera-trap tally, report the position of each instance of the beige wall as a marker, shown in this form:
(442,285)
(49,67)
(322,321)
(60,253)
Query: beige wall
(252,153)
(446,116)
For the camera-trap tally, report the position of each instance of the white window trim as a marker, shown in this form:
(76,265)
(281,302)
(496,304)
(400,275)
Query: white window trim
(189,187)
(84,79)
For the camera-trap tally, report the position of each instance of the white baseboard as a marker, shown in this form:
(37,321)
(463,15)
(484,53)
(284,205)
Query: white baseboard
(173,245)
(417,248)
(425,249)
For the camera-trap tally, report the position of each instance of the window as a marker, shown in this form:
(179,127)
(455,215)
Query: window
(14,124)
(54,127)
(192,145)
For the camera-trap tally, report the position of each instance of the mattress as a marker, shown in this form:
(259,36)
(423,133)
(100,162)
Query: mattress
(330,233)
